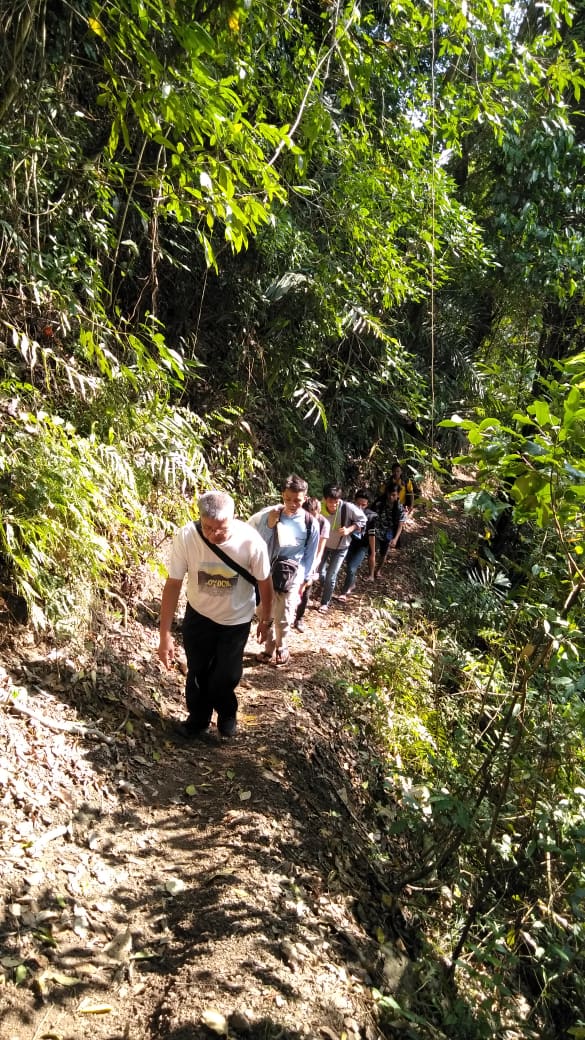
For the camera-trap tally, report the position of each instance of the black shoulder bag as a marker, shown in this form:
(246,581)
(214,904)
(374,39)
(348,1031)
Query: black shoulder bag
(231,563)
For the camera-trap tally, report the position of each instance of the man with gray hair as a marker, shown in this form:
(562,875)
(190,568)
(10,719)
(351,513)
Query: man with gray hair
(224,560)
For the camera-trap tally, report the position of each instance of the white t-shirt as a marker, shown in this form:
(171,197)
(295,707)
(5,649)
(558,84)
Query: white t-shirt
(213,588)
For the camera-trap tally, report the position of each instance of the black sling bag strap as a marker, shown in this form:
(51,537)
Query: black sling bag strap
(226,559)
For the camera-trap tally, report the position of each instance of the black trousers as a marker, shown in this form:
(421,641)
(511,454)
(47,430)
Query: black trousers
(384,545)
(303,603)
(214,666)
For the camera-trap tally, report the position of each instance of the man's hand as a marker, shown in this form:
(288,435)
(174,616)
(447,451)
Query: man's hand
(262,630)
(166,649)
(273,518)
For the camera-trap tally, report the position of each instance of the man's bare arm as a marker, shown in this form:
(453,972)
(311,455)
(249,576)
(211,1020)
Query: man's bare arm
(168,608)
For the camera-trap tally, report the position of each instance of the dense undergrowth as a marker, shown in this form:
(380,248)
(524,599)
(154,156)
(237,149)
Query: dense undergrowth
(480,783)
(91,481)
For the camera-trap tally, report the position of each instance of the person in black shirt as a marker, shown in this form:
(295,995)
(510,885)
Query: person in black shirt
(363,543)
(391,517)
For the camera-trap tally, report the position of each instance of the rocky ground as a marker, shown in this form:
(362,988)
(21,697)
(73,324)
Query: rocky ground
(152,889)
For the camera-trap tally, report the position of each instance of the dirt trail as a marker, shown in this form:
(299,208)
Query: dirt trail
(157,890)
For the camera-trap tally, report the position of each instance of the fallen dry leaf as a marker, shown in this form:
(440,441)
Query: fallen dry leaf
(94,1009)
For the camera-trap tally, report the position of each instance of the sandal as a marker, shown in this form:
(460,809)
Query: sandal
(282,656)
(323,608)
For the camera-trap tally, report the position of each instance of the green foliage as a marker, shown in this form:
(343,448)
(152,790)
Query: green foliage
(54,488)
(482,779)
(175,136)
(73,506)
(472,588)
(172,86)
(538,455)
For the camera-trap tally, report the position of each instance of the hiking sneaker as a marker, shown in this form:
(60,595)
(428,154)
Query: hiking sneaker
(227,727)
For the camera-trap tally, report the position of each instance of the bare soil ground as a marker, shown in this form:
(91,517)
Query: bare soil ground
(153,890)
